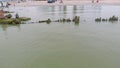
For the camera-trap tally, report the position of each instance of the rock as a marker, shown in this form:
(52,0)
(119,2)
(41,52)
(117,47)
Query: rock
(113,18)
(8,16)
(16,21)
(98,19)
(10,21)
(68,20)
(7,12)
(76,19)
(63,20)
(24,19)
(48,21)
(42,21)
(5,21)
(104,19)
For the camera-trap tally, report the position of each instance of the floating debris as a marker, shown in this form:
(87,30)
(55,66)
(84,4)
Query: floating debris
(48,21)
(98,19)
(45,21)
(104,19)
(63,20)
(111,19)
(68,20)
(76,19)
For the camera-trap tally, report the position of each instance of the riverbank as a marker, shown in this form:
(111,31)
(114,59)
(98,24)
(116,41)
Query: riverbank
(40,3)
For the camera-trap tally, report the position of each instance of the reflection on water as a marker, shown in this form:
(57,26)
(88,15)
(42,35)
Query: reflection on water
(61,45)
(74,9)
(64,9)
(76,24)
(5,27)
(54,12)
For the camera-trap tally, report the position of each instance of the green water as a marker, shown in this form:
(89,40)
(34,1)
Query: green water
(62,45)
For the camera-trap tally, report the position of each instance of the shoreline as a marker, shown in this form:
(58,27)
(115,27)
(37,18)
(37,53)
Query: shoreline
(44,3)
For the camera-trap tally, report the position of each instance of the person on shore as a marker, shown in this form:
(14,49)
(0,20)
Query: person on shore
(16,16)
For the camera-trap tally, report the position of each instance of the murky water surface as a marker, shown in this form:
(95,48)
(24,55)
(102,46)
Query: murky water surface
(62,45)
